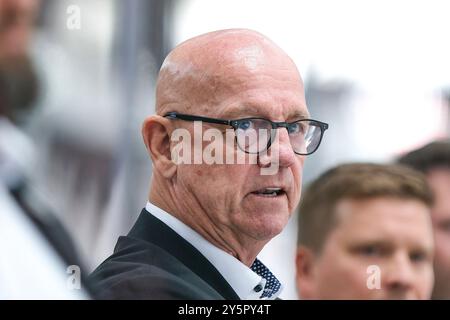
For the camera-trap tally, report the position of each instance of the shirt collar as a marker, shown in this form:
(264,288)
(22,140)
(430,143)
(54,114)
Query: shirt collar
(248,283)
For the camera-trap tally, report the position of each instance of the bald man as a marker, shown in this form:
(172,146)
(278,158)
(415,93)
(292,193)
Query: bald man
(209,214)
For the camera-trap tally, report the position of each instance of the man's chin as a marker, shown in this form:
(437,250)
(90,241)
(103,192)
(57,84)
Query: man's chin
(263,218)
(397,296)
(267,226)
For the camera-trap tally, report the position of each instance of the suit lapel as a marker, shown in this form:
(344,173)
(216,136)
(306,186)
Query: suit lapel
(151,229)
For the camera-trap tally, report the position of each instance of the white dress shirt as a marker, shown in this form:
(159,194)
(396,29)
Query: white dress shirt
(29,267)
(246,283)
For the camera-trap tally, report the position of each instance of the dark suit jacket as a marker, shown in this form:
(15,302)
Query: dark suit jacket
(154,262)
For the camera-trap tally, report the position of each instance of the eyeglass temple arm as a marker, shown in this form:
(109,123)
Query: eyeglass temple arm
(174,115)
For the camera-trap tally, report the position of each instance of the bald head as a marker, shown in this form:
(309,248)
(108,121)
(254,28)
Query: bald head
(228,74)
(202,71)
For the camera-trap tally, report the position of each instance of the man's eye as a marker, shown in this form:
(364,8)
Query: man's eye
(445,226)
(245,124)
(297,128)
(418,256)
(294,128)
(369,251)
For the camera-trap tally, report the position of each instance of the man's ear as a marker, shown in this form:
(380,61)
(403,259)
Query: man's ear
(305,275)
(156,134)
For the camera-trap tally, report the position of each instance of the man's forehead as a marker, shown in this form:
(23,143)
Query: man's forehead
(365,222)
(235,46)
(251,56)
(208,69)
(292,112)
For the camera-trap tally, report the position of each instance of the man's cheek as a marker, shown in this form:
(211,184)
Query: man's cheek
(297,193)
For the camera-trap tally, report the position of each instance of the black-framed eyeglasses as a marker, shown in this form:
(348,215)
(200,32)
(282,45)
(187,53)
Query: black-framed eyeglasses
(255,135)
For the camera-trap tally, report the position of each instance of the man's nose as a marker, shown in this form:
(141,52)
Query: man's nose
(399,273)
(280,152)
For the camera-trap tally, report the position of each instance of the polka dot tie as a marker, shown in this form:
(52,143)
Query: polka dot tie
(272,283)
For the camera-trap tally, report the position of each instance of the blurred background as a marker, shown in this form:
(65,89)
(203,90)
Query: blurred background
(377,71)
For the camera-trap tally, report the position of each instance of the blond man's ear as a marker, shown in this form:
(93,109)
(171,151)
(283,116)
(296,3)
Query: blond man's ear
(305,275)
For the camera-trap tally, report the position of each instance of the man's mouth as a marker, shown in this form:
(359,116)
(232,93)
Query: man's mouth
(270,192)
